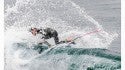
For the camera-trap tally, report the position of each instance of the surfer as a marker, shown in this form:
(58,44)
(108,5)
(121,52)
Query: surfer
(47,34)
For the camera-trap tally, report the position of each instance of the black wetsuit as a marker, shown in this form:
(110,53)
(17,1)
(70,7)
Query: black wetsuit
(49,33)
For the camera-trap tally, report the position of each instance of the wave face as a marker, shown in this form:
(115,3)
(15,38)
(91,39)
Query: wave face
(63,58)
(70,20)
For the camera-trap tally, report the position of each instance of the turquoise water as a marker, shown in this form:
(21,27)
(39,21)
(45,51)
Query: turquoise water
(67,58)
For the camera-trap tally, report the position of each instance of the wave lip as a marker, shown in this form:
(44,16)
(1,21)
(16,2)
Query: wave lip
(82,59)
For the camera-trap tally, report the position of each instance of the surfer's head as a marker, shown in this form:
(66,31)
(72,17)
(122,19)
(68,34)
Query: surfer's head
(34,31)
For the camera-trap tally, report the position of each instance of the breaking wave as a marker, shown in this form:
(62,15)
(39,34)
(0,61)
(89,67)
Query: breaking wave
(70,20)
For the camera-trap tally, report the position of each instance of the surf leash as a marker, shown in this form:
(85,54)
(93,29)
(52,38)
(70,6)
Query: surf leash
(92,32)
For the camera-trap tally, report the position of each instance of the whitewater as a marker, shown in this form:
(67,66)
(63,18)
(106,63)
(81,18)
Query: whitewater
(70,20)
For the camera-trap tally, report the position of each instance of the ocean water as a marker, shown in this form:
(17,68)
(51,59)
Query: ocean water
(97,21)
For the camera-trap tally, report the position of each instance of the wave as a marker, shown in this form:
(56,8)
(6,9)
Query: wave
(70,20)
(69,58)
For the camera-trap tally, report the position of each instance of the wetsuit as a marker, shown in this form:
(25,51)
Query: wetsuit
(49,33)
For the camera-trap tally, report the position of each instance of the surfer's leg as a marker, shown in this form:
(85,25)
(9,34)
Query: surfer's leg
(56,39)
